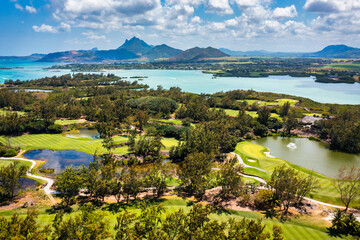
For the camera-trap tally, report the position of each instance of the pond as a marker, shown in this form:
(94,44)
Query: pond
(84,133)
(309,154)
(59,160)
(26,184)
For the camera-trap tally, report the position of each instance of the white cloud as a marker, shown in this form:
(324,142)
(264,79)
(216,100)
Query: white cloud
(287,12)
(45,28)
(322,6)
(93,36)
(30,9)
(63,27)
(221,7)
(19,7)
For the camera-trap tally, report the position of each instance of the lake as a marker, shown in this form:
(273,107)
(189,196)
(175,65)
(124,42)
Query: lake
(59,160)
(197,82)
(84,133)
(309,154)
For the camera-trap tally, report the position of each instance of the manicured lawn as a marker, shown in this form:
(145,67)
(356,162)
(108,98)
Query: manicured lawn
(60,142)
(68,122)
(173,121)
(247,150)
(277,102)
(234,113)
(7,162)
(300,228)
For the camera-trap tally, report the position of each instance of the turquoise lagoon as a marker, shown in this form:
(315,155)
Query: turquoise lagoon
(197,82)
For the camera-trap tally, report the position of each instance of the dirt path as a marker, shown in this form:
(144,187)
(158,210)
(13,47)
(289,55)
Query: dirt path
(50,182)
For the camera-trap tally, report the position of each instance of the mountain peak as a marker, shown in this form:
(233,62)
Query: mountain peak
(136,45)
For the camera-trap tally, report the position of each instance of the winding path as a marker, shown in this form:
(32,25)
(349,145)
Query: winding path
(49,181)
(241,162)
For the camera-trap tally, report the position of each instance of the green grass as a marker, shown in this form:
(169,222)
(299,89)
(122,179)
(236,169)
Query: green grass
(247,150)
(234,113)
(7,162)
(69,122)
(172,121)
(342,66)
(60,142)
(4,112)
(277,102)
(301,228)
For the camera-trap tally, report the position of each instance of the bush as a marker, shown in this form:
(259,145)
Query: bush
(263,200)
(10,153)
(55,128)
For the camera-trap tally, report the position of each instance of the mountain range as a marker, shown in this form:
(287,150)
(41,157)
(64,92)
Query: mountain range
(136,49)
(332,51)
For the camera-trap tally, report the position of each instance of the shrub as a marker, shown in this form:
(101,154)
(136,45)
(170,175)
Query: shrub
(263,200)
(10,153)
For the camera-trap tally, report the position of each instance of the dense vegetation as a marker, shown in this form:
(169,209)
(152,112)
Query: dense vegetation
(199,165)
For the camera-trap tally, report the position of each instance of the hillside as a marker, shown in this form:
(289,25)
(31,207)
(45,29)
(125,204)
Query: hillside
(136,45)
(162,51)
(198,54)
(336,51)
(88,56)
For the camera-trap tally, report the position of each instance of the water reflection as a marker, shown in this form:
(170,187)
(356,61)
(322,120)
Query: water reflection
(59,160)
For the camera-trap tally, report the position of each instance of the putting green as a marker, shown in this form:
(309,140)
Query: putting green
(247,150)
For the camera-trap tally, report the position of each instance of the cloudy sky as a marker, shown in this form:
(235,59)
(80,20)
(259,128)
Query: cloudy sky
(42,26)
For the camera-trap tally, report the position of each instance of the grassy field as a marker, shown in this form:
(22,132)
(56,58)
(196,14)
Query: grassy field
(301,228)
(172,121)
(60,142)
(7,162)
(247,150)
(4,112)
(278,102)
(342,66)
(234,113)
(69,122)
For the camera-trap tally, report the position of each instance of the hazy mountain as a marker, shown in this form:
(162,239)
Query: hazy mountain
(198,54)
(136,46)
(336,51)
(88,56)
(162,51)
(259,53)
(32,57)
(332,51)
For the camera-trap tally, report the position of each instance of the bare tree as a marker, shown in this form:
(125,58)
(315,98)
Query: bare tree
(348,184)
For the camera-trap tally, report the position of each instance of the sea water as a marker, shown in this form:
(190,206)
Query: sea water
(198,82)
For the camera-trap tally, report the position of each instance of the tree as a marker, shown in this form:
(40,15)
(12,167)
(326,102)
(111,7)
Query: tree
(10,178)
(290,122)
(124,229)
(156,179)
(194,172)
(348,184)
(290,187)
(284,109)
(263,115)
(68,183)
(344,224)
(229,178)
(90,224)
(132,182)
(23,228)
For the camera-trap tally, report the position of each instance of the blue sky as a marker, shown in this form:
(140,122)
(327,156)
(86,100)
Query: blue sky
(42,26)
